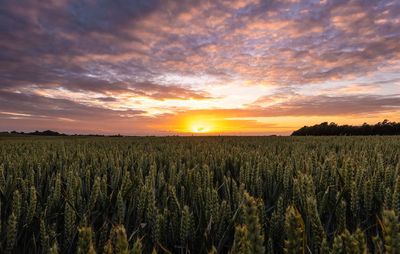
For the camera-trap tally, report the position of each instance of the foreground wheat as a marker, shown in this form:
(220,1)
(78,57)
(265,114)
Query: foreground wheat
(200,195)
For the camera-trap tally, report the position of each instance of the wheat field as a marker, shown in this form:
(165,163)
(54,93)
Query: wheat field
(200,195)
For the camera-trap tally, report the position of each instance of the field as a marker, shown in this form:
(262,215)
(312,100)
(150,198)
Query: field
(200,195)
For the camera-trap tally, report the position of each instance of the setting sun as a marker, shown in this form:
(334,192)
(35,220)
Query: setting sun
(201,124)
(200,127)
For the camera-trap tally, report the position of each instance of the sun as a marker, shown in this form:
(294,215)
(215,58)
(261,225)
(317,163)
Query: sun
(200,125)
(199,129)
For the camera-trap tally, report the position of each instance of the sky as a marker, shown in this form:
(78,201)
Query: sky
(235,67)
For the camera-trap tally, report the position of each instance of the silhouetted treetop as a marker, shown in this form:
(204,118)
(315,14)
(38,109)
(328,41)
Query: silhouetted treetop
(35,133)
(332,129)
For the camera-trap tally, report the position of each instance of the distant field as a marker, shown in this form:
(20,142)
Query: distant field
(199,194)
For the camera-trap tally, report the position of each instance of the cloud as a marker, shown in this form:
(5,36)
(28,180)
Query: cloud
(353,89)
(285,42)
(336,105)
(321,105)
(107,99)
(37,106)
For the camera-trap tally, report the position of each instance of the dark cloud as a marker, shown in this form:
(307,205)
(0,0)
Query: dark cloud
(107,99)
(43,107)
(161,92)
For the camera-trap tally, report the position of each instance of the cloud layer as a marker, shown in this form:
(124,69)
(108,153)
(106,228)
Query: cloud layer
(146,65)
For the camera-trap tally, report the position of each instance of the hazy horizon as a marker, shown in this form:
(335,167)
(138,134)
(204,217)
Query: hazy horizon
(241,67)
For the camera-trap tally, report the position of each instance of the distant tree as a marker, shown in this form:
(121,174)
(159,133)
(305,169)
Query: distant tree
(46,133)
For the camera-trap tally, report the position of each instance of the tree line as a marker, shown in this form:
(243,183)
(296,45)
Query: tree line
(332,129)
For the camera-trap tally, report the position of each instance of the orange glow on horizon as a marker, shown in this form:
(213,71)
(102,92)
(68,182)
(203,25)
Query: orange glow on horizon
(220,123)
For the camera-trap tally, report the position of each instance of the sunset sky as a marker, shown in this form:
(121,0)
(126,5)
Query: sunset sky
(177,67)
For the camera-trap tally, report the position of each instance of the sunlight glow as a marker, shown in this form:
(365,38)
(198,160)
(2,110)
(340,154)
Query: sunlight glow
(199,129)
(201,125)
